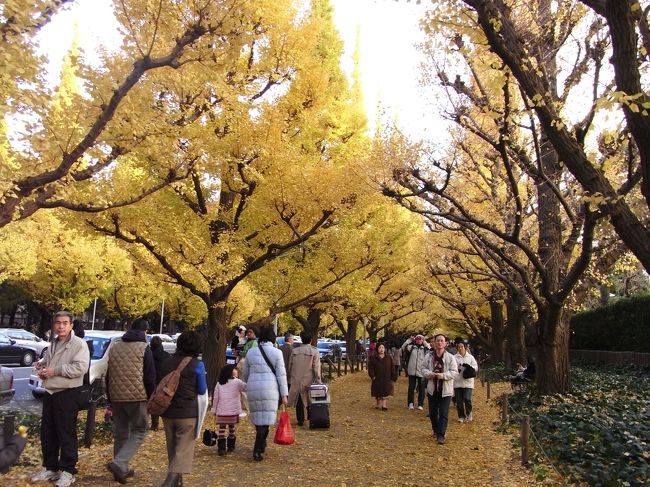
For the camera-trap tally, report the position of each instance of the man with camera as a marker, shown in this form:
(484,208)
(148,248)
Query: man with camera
(414,352)
(62,369)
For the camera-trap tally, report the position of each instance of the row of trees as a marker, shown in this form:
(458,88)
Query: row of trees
(220,159)
(548,156)
(213,161)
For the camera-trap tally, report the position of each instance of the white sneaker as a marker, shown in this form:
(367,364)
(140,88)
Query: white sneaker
(46,474)
(420,408)
(469,418)
(461,420)
(65,480)
(411,406)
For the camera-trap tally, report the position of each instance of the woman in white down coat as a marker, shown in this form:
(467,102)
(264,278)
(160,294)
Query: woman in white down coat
(463,388)
(265,386)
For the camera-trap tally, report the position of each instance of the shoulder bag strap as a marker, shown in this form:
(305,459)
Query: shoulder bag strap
(266,359)
(268,362)
(183,364)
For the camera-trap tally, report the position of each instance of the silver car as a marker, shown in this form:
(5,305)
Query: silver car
(24,337)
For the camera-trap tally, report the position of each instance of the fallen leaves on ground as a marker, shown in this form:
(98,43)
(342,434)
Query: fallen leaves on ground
(363,447)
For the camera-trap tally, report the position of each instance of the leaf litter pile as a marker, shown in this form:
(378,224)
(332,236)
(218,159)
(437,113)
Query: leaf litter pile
(364,446)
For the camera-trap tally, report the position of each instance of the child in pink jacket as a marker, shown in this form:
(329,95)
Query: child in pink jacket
(226,406)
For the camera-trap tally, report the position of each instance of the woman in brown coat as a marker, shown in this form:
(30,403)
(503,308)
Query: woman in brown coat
(383,375)
(303,371)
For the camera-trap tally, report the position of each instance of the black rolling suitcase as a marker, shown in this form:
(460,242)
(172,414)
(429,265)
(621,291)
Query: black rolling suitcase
(318,410)
(319,416)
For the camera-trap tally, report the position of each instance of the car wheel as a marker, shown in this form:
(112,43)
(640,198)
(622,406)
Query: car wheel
(27,360)
(38,395)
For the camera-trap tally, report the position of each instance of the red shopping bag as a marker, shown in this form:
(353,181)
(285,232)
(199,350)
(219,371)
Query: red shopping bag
(284,434)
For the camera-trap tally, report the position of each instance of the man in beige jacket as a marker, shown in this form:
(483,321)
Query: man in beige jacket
(303,371)
(62,369)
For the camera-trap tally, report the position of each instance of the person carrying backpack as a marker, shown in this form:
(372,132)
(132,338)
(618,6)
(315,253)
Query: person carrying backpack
(180,418)
(130,380)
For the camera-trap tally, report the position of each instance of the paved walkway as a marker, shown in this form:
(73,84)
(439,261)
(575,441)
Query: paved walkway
(364,447)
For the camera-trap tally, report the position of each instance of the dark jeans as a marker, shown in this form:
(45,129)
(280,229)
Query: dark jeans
(463,401)
(439,413)
(59,430)
(413,380)
(300,410)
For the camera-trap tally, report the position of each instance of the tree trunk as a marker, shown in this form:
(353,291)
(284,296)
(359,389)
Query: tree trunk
(552,367)
(496,338)
(312,324)
(214,349)
(604,294)
(351,336)
(515,330)
(12,316)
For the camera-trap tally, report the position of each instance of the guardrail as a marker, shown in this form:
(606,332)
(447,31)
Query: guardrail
(338,367)
(609,357)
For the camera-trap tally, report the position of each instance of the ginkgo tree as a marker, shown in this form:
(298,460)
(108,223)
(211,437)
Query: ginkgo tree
(106,122)
(356,269)
(69,269)
(277,127)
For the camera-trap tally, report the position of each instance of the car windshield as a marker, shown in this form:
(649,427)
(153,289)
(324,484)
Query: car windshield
(100,345)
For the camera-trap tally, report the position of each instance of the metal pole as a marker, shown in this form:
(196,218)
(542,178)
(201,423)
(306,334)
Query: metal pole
(162,314)
(92,327)
(525,434)
(275,325)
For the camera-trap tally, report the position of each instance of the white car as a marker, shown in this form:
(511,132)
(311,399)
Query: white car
(101,341)
(168,343)
(26,338)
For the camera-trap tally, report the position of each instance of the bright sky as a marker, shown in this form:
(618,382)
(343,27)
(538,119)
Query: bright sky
(389,62)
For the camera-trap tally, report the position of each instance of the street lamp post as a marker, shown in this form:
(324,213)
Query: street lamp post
(92,327)
(162,313)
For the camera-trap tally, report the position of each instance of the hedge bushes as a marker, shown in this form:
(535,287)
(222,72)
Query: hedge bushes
(621,326)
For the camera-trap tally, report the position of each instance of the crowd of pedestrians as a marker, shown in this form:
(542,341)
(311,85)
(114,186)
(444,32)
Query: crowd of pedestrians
(441,370)
(263,378)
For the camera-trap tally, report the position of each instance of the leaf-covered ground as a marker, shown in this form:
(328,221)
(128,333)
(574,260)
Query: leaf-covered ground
(599,433)
(363,447)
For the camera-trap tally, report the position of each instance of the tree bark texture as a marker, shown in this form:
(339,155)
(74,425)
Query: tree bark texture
(214,348)
(553,352)
(497,338)
(515,330)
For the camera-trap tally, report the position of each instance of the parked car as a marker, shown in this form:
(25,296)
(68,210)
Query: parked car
(325,349)
(13,354)
(101,342)
(296,341)
(7,390)
(27,338)
(169,344)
